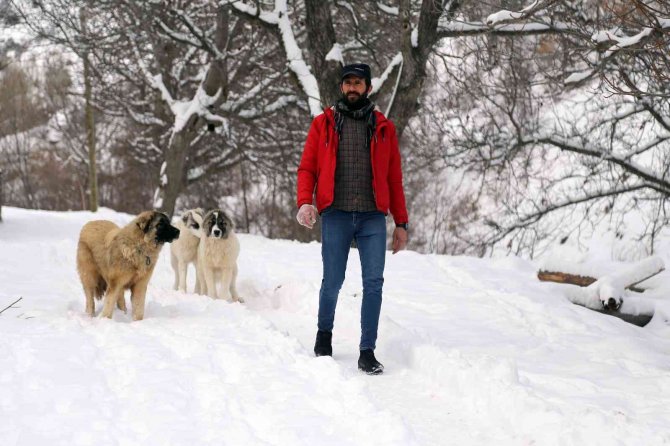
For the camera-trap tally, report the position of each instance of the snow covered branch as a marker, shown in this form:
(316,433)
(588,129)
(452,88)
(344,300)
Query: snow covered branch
(531,20)
(178,36)
(280,19)
(461,29)
(378,82)
(628,50)
(234,105)
(277,105)
(612,46)
(391,10)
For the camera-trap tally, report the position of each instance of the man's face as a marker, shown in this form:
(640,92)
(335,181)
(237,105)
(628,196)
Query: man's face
(353,88)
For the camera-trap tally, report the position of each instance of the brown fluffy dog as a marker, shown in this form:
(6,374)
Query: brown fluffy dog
(116,259)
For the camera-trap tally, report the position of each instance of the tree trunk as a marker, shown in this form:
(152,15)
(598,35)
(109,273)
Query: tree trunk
(2,197)
(24,173)
(405,103)
(244,195)
(320,41)
(89,125)
(173,172)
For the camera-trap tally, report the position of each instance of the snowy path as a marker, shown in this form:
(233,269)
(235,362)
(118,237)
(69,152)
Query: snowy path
(476,361)
(476,352)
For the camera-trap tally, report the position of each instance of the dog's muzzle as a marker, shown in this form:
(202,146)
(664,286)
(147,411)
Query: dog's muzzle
(219,233)
(169,235)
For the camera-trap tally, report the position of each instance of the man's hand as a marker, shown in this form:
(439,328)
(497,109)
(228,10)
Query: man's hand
(399,239)
(307,215)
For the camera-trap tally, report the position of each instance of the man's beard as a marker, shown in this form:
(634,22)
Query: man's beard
(356,102)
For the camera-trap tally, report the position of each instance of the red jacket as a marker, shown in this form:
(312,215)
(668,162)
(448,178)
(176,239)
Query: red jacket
(317,166)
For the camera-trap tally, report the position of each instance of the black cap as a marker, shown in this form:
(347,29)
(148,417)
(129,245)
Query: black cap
(356,69)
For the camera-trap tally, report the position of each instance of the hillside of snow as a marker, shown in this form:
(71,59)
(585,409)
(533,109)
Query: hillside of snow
(476,351)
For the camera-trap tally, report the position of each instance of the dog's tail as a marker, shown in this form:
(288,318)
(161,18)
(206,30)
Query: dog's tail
(100,288)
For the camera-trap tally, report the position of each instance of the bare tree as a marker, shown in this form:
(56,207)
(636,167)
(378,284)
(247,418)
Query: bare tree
(487,93)
(90,121)
(546,148)
(21,112)
(148,60)
(629,49)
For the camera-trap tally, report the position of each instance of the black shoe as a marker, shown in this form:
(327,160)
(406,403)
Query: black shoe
(323,345)
(368,363)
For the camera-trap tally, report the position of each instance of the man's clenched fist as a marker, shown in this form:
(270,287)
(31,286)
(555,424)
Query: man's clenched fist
(307,215)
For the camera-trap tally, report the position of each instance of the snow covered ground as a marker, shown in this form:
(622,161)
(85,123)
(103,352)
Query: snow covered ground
(477,352)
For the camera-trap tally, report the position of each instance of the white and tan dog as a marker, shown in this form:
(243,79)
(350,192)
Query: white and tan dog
(184,250)
(217,256)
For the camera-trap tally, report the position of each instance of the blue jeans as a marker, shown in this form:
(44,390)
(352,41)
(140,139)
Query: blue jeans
(338,229)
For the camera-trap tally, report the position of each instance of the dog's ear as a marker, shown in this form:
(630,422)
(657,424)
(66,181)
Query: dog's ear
(144,220)
(197,216)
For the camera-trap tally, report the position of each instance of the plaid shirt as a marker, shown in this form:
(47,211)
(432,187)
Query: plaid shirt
(353,172)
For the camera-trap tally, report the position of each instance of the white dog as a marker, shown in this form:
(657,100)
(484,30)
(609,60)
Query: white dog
(217,256)
(184,250)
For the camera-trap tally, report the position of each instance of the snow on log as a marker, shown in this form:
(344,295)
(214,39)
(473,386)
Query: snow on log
(607,292)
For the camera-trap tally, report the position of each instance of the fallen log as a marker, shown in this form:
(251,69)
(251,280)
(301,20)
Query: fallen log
(574,279)
(636,319)
(605,295)
(610,288)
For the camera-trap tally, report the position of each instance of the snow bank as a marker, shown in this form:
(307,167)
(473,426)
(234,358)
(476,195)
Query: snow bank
(477,351)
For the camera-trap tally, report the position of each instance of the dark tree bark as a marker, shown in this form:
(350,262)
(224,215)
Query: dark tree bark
(2,196)
(320,40)
(173,174)
(405,103)
(89,123)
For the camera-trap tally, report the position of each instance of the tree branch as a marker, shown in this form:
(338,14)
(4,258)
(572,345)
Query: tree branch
(11,305)
(658,184)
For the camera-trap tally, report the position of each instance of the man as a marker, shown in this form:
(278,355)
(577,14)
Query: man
(351,160)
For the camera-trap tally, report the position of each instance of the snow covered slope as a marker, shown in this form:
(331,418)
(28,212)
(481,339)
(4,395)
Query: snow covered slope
(477,352)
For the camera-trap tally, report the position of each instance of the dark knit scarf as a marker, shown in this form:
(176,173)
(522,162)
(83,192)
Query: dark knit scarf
(364,111)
